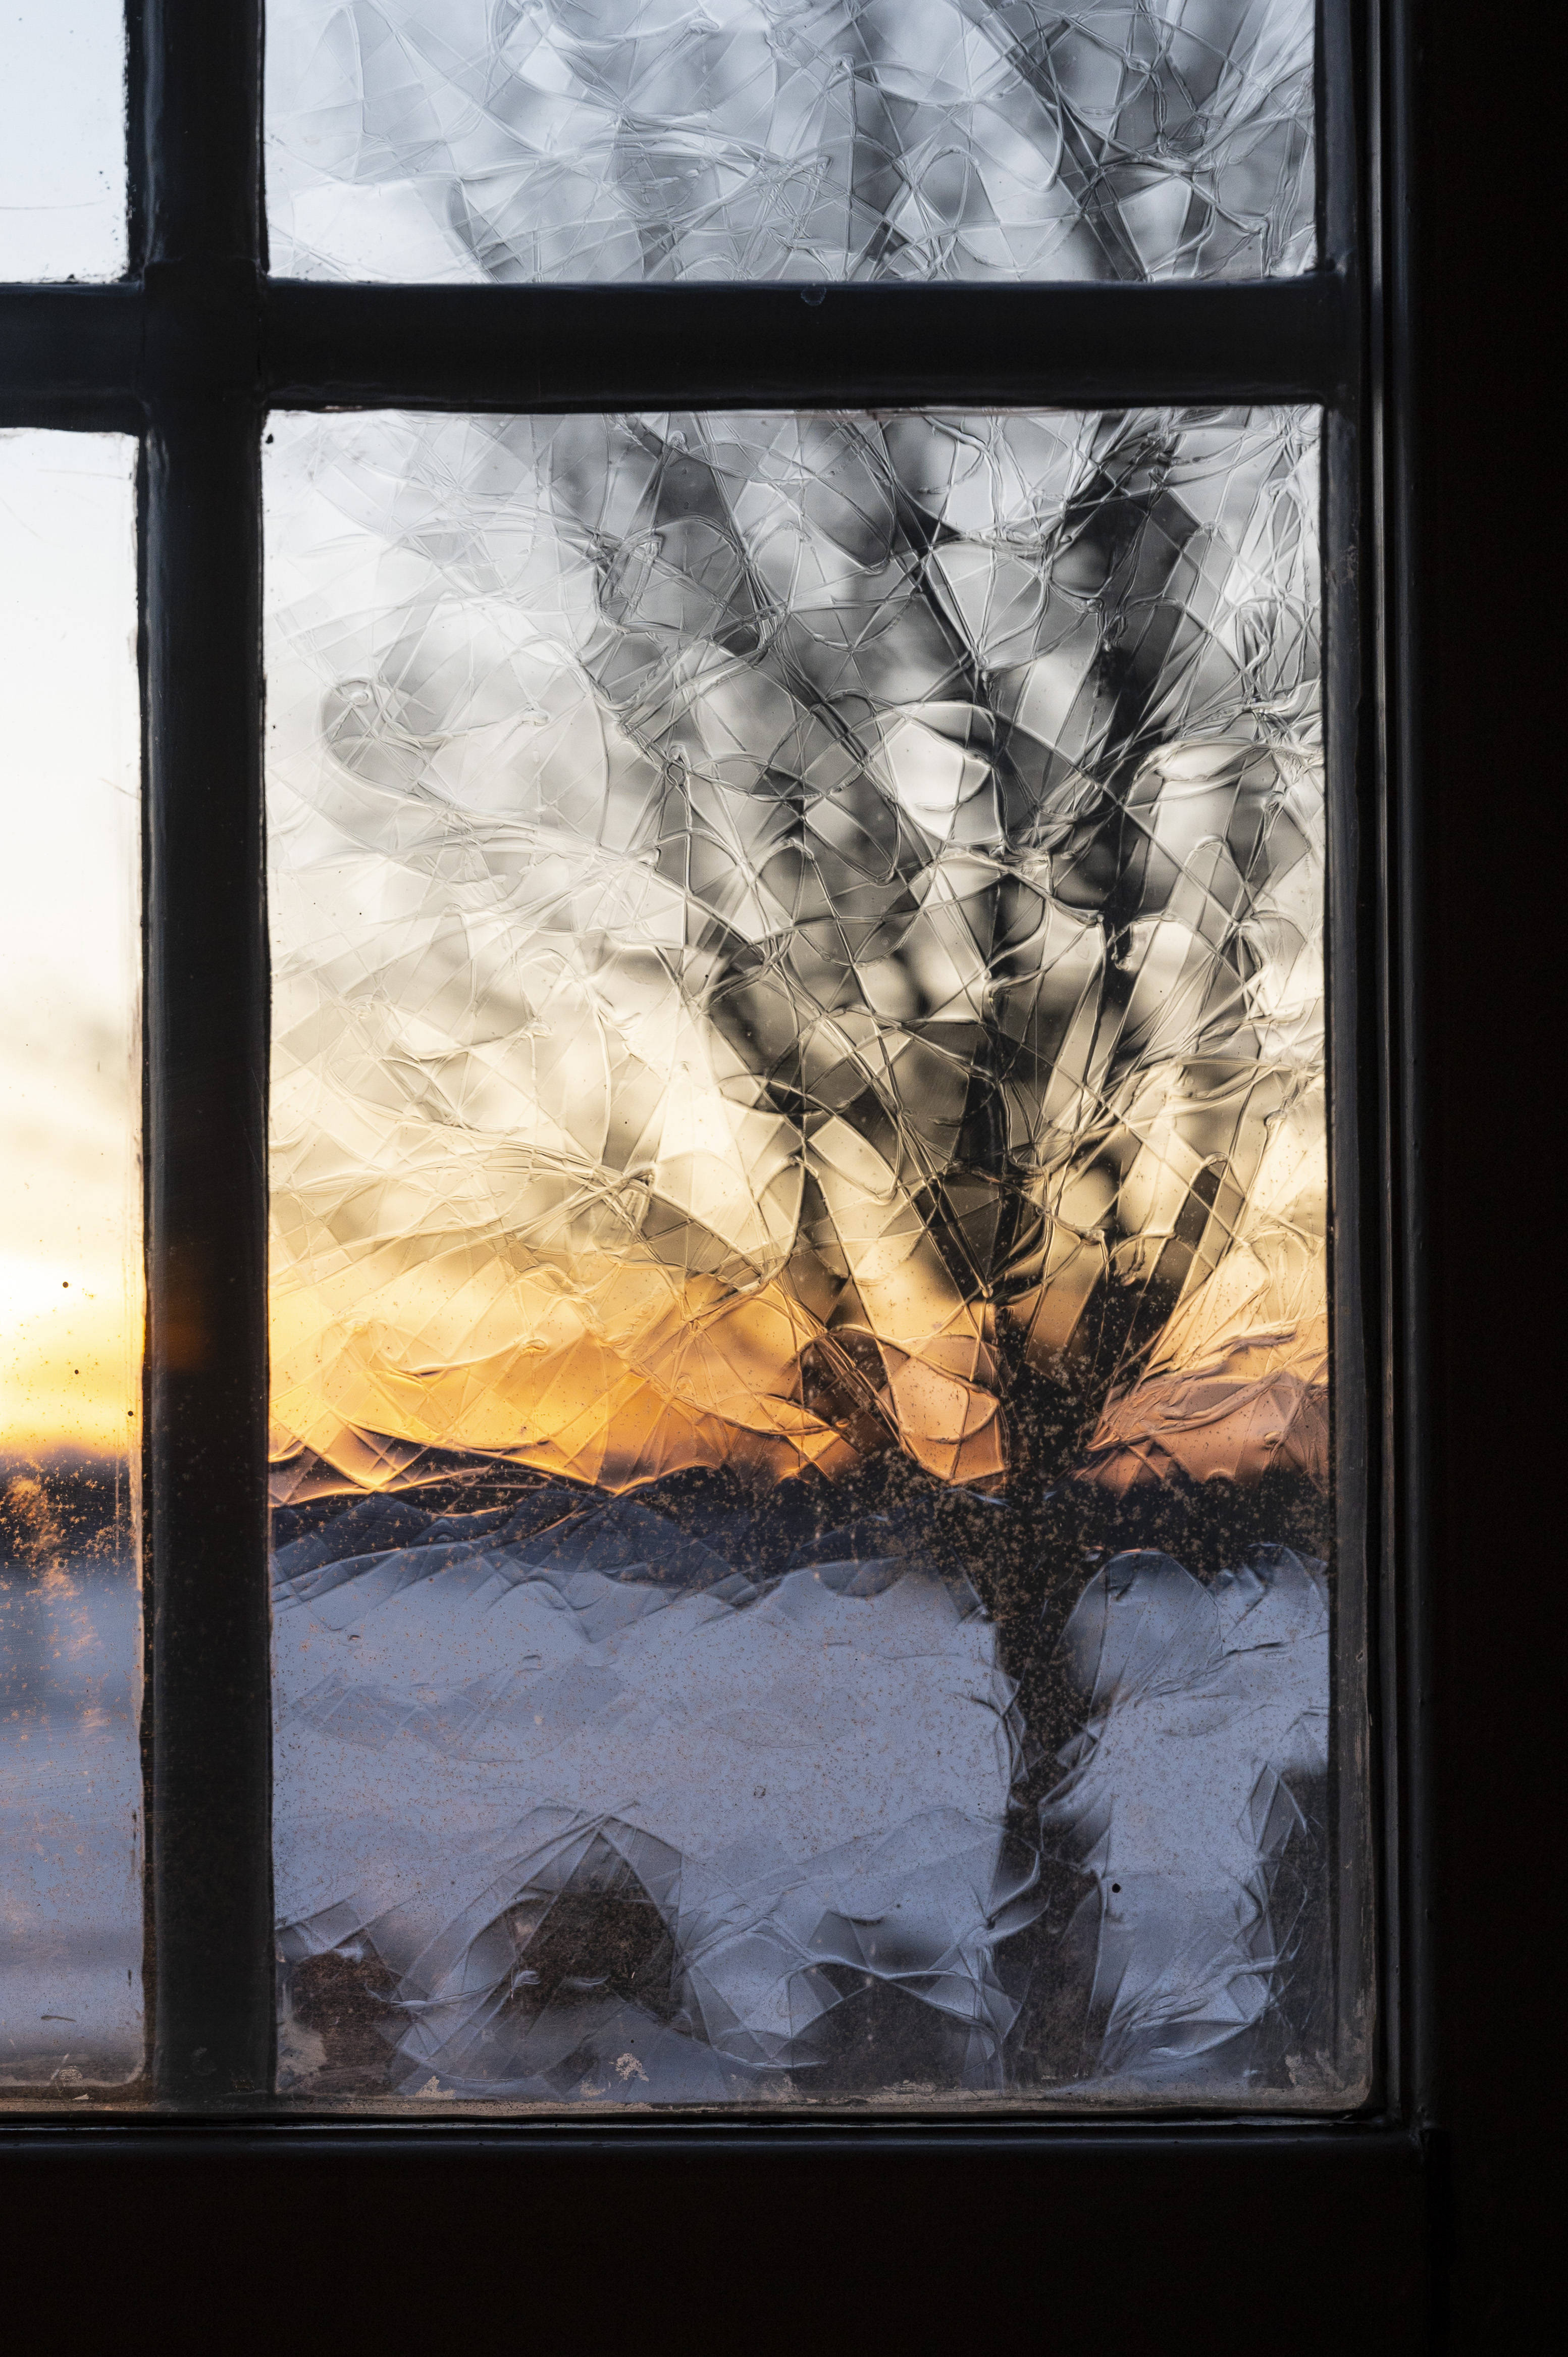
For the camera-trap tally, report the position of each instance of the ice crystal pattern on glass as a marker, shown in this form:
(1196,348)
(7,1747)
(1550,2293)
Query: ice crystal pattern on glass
(798,1136)
(790,139)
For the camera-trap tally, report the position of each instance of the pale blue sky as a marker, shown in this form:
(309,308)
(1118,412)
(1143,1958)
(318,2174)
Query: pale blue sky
(62,139)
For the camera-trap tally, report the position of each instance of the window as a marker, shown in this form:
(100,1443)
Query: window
(810,943)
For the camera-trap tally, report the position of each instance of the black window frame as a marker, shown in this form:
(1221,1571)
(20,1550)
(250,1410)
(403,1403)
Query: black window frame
(187,352)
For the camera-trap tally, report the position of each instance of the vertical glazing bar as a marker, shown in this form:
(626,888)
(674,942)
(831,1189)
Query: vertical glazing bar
(206,1029)
(1340,130)
(1354,1065)
(1354,1076)
(1408,1600)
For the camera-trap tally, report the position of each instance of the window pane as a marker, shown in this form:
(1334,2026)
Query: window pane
(70,1924)
(62,139)
(790,139)
(800,1281)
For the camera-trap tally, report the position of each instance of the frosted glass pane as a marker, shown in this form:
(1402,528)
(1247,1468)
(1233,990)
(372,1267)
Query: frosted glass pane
(70,1924)
(62,139)
(800,1340)
(790,139)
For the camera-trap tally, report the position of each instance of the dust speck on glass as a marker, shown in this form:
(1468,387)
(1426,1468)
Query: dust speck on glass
(799,1313)
(790,139)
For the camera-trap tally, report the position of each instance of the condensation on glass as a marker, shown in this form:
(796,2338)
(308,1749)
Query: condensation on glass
(790,139)
(71,1833)
(803,1565)
(62,139)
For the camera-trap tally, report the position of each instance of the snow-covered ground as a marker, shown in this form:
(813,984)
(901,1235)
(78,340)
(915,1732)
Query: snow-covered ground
(70,1831)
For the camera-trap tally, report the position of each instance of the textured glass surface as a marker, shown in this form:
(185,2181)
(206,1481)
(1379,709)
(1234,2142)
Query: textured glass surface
(62,139)
(790,139)
(70,1910)
(799,1345)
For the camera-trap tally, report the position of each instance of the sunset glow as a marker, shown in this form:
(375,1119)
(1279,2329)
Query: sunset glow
(69,1251)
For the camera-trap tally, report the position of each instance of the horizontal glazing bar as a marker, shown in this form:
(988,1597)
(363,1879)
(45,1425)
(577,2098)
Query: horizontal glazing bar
(592,348)
(1370,2152)
(589,347)
(70,355)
